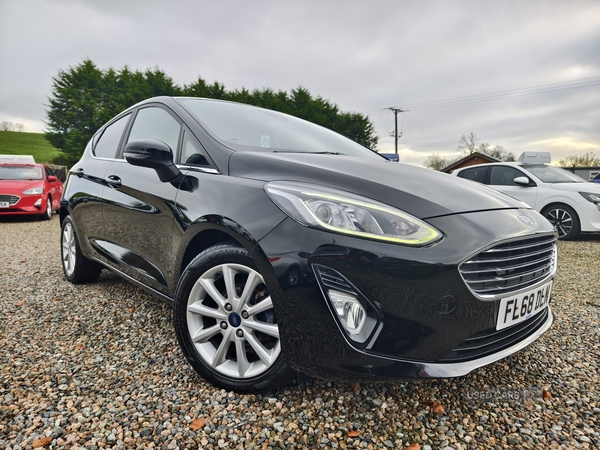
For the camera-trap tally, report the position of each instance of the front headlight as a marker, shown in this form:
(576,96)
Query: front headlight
(34,191)
(350,214)
(590,197)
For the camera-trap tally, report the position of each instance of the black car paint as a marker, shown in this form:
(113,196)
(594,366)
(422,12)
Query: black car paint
(147,231)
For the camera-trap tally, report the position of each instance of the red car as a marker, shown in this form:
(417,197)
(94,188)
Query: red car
(29,189)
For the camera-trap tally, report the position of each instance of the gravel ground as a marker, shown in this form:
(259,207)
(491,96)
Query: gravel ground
(98,366)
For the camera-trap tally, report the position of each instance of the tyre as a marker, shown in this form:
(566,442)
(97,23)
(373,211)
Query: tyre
(225,322)
(77,268)
(47,215)
(565,221)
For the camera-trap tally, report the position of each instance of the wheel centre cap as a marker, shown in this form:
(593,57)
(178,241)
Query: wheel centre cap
(235,320)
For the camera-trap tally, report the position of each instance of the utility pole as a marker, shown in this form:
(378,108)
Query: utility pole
(395,135)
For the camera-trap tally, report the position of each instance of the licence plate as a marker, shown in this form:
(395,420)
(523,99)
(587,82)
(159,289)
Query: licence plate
(518,308)
(4,204)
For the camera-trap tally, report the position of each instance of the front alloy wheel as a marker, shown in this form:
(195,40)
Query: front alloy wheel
(226,324)
(47,215)
(565,221)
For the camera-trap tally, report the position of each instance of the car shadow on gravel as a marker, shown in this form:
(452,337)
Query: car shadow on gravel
(19,219)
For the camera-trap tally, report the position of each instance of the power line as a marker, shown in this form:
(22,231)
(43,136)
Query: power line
(510,93)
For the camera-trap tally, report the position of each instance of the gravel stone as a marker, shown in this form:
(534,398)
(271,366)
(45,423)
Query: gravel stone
(97,366)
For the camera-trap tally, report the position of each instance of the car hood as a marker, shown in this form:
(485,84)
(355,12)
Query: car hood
(421,192)
(18,186)
(577,187)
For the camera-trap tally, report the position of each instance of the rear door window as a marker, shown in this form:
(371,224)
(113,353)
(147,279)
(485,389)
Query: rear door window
(108,143)
(478,174)
(504,176)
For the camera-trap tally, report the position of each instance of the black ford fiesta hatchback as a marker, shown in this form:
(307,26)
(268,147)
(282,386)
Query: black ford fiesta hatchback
(284,246)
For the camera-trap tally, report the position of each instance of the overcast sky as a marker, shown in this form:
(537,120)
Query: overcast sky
(362,55)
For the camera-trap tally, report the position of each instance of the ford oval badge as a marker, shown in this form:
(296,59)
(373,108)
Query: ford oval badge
(526,220)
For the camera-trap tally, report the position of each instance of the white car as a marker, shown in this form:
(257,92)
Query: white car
(569,202)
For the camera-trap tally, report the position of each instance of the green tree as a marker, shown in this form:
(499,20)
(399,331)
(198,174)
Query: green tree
(84,97)
(588,159)
(75,108)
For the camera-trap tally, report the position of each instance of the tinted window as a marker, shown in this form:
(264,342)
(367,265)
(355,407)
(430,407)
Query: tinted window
(156,123)
(108,144)
(504,175)
(476,174)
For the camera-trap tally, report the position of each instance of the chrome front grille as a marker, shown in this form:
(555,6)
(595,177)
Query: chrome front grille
(11,199)
(510,266)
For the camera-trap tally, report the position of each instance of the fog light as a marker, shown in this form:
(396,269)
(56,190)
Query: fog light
(351,313)
(38,203)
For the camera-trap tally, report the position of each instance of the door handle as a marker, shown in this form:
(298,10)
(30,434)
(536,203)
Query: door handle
(114,181)
(78,173)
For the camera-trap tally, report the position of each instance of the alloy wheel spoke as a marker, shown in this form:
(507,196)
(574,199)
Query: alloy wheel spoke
(219,356)
(242,359)
(229,278)
(205,311)
(251,283)
(264,305)
(212,291)
(261,351)
(267,328)
(204,334)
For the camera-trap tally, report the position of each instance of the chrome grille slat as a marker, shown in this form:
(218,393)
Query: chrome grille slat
(494,269)
(501,277)
(494,250)
(508,258)
(505,289)
(510,266)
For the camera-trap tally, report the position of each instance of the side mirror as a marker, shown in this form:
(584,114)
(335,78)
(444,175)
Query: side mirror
(153,154)
(52,178)
(523,181)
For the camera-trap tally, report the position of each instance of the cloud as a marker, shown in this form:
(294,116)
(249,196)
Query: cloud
(364,56)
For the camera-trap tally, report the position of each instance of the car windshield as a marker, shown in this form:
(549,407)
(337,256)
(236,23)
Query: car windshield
(20,173)
(245,127)
(551,174)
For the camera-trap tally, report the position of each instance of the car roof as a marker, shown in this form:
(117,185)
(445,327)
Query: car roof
(507,163)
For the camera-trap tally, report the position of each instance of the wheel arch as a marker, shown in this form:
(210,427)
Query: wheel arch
(62,211)
(212,230)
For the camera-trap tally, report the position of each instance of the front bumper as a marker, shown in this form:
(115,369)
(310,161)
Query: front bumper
(410,287)
(26,205)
